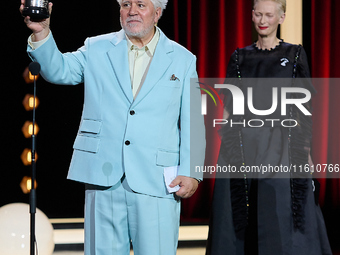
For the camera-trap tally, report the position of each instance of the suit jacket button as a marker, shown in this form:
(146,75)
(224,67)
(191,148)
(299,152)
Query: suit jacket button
(132,112)
(127,142)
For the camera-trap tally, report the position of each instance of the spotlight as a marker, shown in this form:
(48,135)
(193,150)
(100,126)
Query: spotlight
(28,102)
(27,129)
(26,157)
(28,77)
(26,184)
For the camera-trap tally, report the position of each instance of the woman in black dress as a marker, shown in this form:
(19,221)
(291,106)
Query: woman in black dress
(272,214)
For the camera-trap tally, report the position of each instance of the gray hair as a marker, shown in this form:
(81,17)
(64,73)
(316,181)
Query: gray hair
(156,3)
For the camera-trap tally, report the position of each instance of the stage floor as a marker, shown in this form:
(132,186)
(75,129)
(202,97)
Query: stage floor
(69,238)
(180,251)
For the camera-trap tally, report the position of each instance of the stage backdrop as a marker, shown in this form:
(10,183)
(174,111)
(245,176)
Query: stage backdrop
(325,62)
(212,30)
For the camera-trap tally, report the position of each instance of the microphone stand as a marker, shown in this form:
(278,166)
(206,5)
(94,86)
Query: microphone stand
(34,69)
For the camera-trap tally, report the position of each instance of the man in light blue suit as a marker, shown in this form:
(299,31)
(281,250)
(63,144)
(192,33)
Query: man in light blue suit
(141,117)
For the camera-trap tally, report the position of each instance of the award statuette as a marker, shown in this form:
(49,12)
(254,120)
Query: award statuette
(36,9)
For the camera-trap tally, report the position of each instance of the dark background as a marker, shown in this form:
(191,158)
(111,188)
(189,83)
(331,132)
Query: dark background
(59,112)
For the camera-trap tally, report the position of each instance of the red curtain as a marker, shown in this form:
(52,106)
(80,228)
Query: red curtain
(212,30)
(325,61)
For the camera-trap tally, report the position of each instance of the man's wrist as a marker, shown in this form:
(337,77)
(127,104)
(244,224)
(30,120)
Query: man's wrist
(33,44)
(36,37)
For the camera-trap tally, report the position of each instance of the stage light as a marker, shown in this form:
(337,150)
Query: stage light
(15,231)
(26,184)
(28,102)
(26,157)
(28,77)
(27,129)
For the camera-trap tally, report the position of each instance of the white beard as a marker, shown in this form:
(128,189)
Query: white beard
(139,34)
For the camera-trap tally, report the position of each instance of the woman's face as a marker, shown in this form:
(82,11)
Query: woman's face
(266,17)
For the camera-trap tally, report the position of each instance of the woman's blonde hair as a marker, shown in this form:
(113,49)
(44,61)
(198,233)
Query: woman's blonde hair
(282,4)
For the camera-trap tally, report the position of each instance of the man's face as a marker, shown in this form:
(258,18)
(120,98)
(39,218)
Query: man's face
(138,18)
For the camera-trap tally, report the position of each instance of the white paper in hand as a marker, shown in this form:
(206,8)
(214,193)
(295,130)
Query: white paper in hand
(170,174)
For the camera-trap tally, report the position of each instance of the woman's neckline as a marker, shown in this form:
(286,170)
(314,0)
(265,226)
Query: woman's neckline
(268,50)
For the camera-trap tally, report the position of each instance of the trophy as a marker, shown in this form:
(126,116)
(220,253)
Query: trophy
(36,9)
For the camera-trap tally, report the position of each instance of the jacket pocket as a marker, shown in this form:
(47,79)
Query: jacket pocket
(167,158)
(88,126)
(85,143)
(173,84)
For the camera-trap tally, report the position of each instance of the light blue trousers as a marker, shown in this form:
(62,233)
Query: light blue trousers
(117,216)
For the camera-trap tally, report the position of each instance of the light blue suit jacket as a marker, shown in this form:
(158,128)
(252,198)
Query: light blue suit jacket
(162,127)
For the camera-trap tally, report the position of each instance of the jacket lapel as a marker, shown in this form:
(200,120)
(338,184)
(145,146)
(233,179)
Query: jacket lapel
(120,63)
(159,64)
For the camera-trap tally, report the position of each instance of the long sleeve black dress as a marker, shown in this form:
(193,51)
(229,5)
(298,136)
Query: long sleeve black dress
(267,215)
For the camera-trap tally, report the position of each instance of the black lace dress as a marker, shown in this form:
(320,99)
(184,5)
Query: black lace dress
(267,215)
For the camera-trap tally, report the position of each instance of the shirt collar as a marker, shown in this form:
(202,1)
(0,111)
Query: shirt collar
(151,46)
